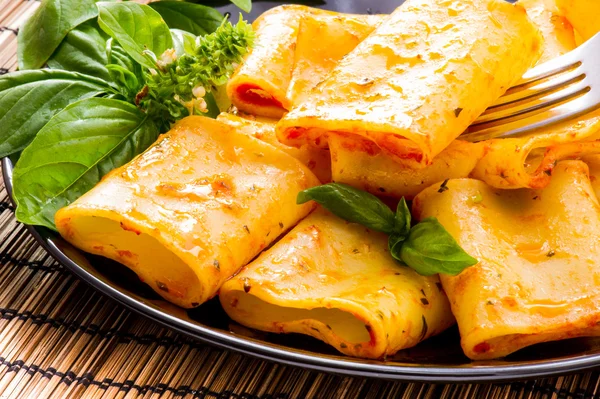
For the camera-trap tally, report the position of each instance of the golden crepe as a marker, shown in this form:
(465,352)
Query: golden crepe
(323,40)
(260,84)
(583,15)
(360,163)
(337,282)
(557,31)
(539,260)
(191,210)
(317,160)
(523,161)
(420,78)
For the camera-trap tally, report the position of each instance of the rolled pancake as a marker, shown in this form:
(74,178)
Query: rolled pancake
(316,159)
(539,260)
(362,164)
(260,84)
(527,161)
(583,15)
(323,40)
(337,282)
(191,210)
(420,78)
(556,30)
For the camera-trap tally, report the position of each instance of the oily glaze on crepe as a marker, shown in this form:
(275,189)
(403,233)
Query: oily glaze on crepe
(539,260)
(190,211)
(336,282)
(260,84)
(323,40)
(583,15)
(317,160)
(556,30)
(420,78)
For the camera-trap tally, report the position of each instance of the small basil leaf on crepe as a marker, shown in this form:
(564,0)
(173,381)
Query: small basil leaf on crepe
(395,243)
(430,249)
(73,151)
(137,28)
(402,220)
(194,18)
(28,99)
(351,204)
(83,50)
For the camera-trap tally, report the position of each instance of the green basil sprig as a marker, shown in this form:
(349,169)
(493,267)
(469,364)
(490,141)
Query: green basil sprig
(115,82)
(425,247)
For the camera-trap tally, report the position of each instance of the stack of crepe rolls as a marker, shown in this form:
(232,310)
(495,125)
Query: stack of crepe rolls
(337,282)
(365,166)
(191,210)
(420,79)
(382,111)
(299,285)
(504,163)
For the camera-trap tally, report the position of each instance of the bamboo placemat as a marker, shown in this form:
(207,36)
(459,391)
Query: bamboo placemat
(61,339)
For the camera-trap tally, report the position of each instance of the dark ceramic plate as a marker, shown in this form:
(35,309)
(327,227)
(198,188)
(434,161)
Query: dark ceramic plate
(439,359)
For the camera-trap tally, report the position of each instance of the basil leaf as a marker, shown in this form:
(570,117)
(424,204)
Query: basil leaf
(43,32)
(116,55)
(402,219)
(183,42)
(83,50)
(126,81)
(351,204)
(194,18)
(245,5)
(28,99)
(136,27)
(211,106)
(73,151)
(395,243)
(430,249)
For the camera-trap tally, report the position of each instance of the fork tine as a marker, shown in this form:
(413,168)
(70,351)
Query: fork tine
(520,111)
(568,110)
(546,87)
(570,88)
(560,64)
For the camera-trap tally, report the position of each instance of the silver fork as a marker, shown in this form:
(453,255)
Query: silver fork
(555,91)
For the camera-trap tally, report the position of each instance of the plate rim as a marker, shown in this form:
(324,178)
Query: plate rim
(294,357)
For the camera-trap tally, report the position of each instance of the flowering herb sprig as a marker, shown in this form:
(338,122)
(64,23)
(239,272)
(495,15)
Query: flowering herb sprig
(120,73)
(178,85)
